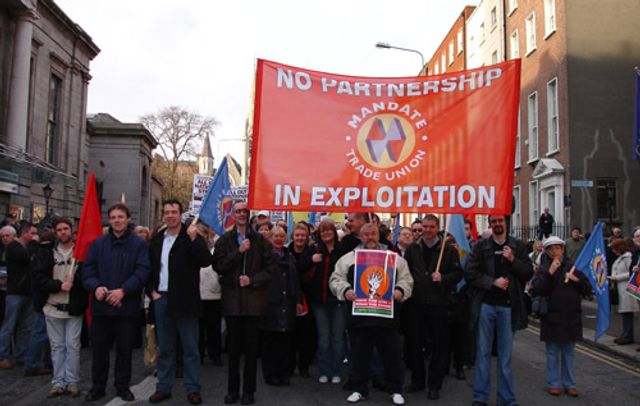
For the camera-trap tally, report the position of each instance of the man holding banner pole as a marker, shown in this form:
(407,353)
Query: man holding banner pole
(369,330)
(245,262)
(429,306)
(496,272)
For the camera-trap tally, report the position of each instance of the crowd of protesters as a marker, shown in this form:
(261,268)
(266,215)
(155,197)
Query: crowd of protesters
(250,293)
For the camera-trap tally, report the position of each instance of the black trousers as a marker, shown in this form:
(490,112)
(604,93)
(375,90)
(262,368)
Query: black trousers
(105,330)
(304,343)
(275,354)
(429,321)
(243,337)
(387,342)
(460,340)
(210,334)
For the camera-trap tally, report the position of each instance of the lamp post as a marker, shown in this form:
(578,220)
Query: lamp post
(385,45)
(47,190)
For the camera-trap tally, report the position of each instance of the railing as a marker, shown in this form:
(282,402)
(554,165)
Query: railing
(531,233)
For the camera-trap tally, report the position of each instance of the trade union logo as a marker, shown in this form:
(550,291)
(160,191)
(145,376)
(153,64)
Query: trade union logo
(385,140)
(226,210)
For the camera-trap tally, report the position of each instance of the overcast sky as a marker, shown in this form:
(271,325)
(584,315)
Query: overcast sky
(201,54)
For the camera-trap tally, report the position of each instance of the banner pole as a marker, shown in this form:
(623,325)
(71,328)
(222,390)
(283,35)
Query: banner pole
(444,241)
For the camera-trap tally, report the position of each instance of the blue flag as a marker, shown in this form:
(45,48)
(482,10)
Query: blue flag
(311,219)
(636,121)
(217,206)
(592,262)
(396,231)
(456,229)
(290,226)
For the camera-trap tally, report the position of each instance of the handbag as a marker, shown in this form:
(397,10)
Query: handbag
(540,305)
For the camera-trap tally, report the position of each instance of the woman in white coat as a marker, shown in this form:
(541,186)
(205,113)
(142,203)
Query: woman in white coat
(627,304)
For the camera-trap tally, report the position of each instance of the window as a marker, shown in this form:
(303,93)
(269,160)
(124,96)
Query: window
(516,217)
(532,116)
(437,70)
(517,160)
(514,45)
(53,120)
(482,34)
(443,62)
(494,18)
(530,27)
(534,208)
(553,130)
(513,5)
(494,57)
(549,17)
(459,41)
(451,53)
(606,198)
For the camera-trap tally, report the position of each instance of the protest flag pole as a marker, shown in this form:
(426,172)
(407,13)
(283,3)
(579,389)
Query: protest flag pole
(90,228)
(444,241)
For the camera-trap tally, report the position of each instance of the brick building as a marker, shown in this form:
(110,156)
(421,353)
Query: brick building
(450,55)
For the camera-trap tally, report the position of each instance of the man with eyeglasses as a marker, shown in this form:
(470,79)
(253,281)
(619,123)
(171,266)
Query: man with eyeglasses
(245,262)
(416,229)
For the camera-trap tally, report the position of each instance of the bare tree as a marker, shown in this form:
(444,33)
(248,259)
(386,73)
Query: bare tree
(178,131)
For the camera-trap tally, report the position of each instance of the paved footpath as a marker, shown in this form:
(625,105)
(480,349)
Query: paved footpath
(602,377)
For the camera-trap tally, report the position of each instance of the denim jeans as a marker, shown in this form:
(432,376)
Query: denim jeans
(168,329)
(560,359)
(19,318)
(330,323)
(494,318)
(38,352)
(64,336)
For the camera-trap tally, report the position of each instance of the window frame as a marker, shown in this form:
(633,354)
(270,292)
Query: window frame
(553,109)
(514,38)
(533,124)
(530,32)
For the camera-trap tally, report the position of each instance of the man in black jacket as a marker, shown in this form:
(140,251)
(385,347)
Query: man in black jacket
(429,305)
(245,262)
(19,315)
(176,256)
(63,306)
(496,272)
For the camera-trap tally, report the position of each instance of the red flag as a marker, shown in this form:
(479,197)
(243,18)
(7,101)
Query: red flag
(90,221)
(474,229)
(90,228)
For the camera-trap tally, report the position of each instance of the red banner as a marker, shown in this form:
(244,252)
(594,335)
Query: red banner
(439,144)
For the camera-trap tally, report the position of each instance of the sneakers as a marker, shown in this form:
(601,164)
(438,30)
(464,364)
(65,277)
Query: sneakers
(356,397)
(336,380)
(573,392)
(554,391)
(73,390)
(323,379)
(54,392)
(397,399)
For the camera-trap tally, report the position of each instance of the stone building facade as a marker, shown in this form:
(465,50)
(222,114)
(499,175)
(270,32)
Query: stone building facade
(44,79)
(120,155)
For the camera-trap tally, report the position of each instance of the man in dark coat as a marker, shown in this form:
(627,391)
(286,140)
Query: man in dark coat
(496,271)
(115,271)
(545,224)
(176,255)
(19,317)
(429,304)
(245,262)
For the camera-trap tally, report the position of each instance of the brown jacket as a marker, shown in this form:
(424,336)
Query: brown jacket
(258,263)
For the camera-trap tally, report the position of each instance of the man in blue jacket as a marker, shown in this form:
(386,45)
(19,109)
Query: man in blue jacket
(114,272)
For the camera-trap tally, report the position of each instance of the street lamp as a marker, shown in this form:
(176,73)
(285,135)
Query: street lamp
(385,45)
(47,190)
